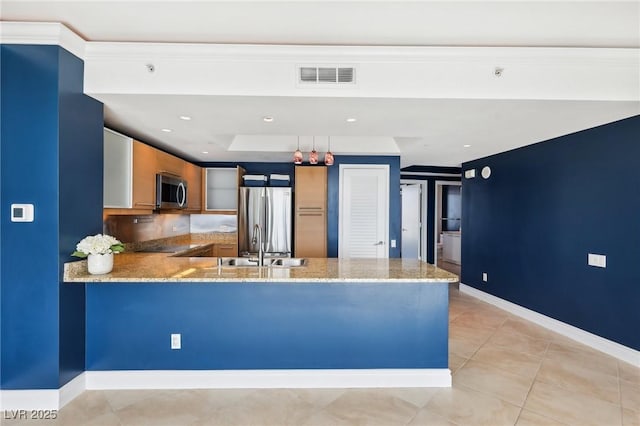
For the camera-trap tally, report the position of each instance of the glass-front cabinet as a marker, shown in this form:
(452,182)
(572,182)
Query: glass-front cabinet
(221,188)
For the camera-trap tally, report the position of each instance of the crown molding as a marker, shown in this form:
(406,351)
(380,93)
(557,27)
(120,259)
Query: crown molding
(42,33)
(55,33)
(210,52)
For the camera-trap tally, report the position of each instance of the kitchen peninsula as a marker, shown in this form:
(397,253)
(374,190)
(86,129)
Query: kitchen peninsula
(332,323)
(160,267)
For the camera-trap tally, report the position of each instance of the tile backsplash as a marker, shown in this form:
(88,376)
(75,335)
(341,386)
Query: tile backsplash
(134,229)
(207,223)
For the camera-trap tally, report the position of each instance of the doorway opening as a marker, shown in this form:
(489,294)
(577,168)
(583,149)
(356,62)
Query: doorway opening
(414,219)
(448,235)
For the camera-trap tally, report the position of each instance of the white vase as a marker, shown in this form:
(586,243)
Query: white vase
(100,263)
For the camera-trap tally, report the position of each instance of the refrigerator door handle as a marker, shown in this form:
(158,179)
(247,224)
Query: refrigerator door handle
(267,221)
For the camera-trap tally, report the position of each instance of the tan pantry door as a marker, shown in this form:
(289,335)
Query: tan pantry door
(364,211)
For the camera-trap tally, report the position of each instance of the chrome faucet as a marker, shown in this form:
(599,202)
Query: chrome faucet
(257,238)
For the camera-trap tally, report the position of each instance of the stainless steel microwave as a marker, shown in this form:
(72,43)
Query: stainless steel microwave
(171,192)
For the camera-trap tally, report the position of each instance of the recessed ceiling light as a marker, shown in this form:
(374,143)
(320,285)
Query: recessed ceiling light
(185,117)
(351,120)
(166,130)
(267,119)
(205,152)
(467,146)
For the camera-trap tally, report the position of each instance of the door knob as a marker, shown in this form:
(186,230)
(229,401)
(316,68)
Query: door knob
(379,243)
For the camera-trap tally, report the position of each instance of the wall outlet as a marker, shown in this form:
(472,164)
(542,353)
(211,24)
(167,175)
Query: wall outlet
(176,341)
(485,277)
(393,243)
(598,260)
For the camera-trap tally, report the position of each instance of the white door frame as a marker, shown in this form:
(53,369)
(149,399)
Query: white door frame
(435,223)
(341,201)
(424,238)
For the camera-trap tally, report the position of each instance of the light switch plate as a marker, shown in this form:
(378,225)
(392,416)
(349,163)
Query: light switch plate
(393,243)
(21,212)
(597,260)
(176,341)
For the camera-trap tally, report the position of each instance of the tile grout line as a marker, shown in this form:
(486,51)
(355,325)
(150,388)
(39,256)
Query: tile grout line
(481,345)
(506,318)
(534,381)
(620,393)
(488,338)
(489,393)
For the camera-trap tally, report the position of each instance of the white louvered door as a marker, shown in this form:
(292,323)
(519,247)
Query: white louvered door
(364,211)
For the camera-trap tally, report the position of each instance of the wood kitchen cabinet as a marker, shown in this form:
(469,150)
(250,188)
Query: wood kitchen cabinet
(225,250)
(310,226)
(130,169)
(144,176)
(193,175)
(311,187)
(169,164)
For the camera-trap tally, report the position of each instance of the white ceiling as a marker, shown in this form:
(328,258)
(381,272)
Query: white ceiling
(423,129)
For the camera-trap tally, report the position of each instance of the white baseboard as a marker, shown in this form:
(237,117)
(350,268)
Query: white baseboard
(42,399)
(29,399)
(71,390)
(609,347)
(254,379)
(54,399)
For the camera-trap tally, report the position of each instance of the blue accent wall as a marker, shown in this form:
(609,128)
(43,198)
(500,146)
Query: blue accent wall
(333,184)
(267,326)
(29,175)
(80,156)
(48,156)
(546,206)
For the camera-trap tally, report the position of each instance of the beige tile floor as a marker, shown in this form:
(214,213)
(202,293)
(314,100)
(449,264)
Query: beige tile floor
(506,371)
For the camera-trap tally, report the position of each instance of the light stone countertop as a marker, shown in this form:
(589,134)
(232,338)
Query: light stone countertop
(161,267)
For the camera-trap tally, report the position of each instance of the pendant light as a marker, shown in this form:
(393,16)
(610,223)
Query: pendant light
(297,156)
(328,156)
(313,157)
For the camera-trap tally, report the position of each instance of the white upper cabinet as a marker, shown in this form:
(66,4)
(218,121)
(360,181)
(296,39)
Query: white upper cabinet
(222,188)
(118,170)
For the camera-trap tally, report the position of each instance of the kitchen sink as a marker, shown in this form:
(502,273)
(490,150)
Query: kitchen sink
(283,262)
(288,262)
(237,261)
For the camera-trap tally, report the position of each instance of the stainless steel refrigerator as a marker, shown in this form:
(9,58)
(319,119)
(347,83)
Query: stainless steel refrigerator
(270,208)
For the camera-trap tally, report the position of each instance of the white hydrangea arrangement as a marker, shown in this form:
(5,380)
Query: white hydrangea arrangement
(98,244)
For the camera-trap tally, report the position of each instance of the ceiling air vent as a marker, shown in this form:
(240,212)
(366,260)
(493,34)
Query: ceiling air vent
(327,74)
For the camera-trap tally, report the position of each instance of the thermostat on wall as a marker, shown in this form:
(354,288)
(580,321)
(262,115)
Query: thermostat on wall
(21,212)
